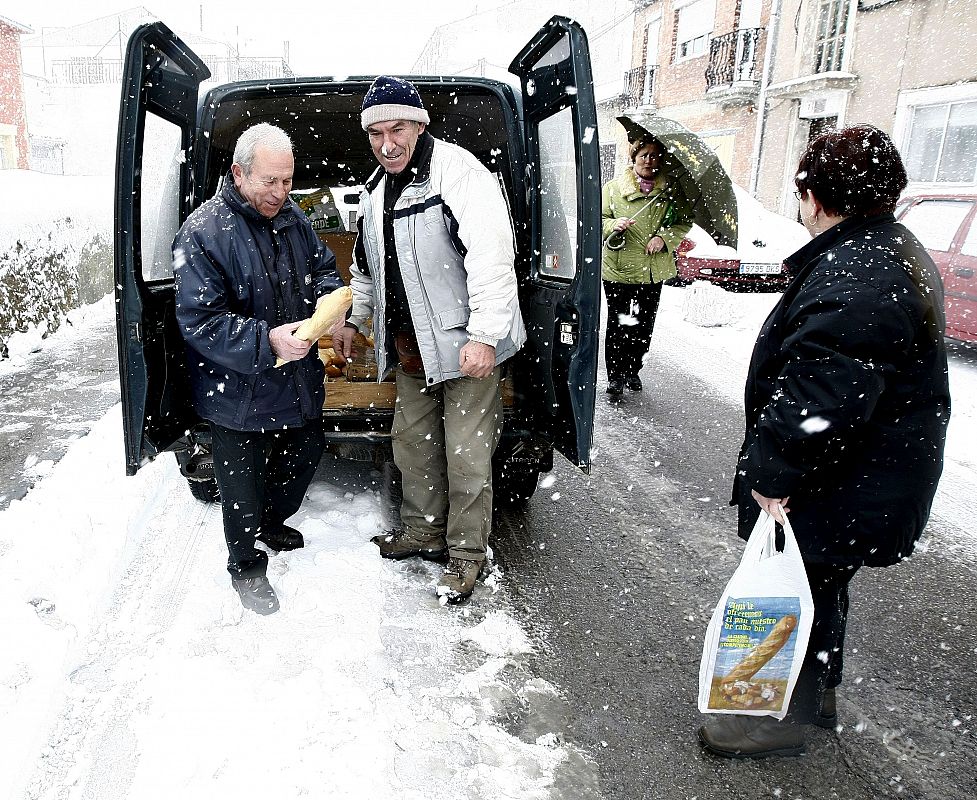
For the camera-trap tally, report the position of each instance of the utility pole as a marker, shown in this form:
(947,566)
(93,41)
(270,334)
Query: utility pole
(773,30)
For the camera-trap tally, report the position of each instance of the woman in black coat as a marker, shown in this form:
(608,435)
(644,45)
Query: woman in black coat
(847,403)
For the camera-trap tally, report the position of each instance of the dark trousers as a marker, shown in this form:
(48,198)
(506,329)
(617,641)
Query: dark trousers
(824,659)
(631,312)
(263,476)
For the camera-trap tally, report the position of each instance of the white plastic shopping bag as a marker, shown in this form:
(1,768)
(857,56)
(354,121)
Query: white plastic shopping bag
(756,640)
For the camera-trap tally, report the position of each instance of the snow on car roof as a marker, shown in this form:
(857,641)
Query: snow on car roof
(764,237)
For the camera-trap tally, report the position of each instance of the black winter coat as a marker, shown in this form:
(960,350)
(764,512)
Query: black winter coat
(847,398)
(239,274)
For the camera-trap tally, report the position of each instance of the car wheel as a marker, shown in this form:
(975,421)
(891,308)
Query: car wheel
(512,486)
(205,490)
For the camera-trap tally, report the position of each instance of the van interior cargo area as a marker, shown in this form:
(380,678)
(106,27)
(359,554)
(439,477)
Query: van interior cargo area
(331,147)
(332,150)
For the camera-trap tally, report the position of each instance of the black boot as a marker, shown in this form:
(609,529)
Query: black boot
(634,384)
(256,594)
(282,538)
(741,736)
(828,715)
(615,390)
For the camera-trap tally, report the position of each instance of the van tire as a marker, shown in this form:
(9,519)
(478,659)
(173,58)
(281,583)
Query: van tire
(205,490)
(513,486)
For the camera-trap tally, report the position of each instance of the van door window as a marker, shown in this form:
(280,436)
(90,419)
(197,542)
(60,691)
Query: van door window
(160,201)
(936,222)
(558,197)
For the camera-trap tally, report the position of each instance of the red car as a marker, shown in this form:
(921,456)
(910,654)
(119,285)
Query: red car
(756,265)
(947,227)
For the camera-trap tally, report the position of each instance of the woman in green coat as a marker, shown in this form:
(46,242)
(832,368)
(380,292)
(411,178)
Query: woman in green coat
(645,217)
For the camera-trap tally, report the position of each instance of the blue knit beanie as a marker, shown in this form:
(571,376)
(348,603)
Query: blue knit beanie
(392,98)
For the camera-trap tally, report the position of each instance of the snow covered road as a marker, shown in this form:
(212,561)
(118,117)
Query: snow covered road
(134,671)
(138,674)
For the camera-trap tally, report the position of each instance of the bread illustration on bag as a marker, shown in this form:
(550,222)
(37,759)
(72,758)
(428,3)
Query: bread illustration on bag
(736,687)
(757,658)
(752,670)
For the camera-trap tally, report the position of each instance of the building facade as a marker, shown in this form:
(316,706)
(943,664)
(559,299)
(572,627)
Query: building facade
(906,66)
(700,62)
(758,79)
(13,111)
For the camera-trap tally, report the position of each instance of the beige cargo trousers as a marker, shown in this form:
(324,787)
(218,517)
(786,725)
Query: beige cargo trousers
(443,440)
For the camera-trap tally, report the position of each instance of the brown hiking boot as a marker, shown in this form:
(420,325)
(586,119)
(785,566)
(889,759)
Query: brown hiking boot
(458,581)
(741,736)
(402,544)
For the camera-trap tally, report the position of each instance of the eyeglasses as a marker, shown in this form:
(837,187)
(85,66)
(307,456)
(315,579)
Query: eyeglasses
(799,194)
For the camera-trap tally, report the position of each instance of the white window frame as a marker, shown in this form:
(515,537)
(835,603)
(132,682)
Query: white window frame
(835,43)
(704,37)
(653,46)
(912,99)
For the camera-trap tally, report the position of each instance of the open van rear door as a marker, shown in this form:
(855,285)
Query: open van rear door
(153,185)
(563,186)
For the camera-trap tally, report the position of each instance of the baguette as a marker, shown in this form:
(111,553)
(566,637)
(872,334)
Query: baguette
(330,309)
(754,661)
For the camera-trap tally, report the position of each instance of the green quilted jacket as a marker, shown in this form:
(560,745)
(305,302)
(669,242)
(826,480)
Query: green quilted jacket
(670,217)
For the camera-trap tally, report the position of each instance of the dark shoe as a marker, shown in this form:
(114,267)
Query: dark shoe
(401,544)
(828,715)
(615,391)
(284,539)
(458,581)
(256,594)
(740,736)
(634,384)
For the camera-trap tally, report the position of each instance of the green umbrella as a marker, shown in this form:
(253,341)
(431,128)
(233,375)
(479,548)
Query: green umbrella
(698,170)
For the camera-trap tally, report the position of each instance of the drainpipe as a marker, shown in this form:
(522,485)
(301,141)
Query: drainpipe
(773,29)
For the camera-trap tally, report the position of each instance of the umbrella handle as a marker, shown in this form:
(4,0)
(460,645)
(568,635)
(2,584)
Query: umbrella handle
(616,240)
(646,205)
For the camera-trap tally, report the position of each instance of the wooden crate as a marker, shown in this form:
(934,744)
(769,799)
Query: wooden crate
(341,393)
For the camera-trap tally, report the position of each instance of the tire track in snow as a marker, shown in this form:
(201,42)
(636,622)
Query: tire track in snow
(92,749)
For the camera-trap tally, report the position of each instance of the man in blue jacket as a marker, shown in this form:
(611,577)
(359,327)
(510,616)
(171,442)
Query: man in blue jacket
(249,270)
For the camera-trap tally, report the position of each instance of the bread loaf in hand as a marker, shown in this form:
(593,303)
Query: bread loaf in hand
(330,309)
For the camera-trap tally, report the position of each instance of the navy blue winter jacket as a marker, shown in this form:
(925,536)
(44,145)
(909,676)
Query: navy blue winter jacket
(238,275)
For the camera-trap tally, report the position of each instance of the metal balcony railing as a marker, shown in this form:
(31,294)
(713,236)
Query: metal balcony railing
(733,58)
(639,86)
